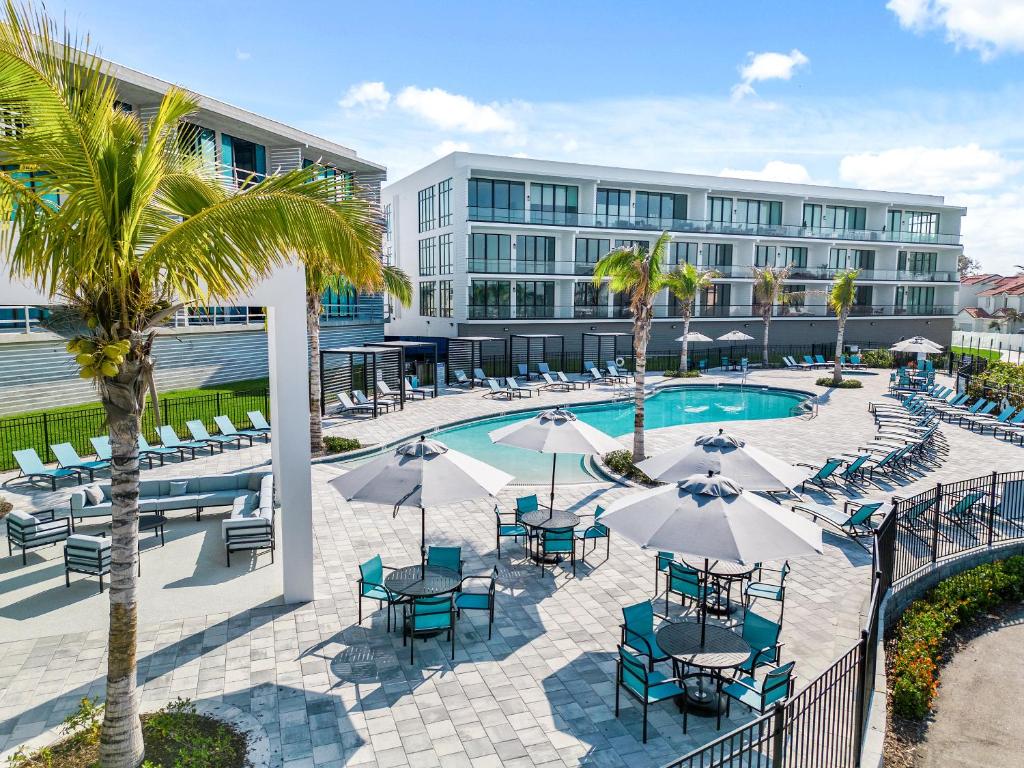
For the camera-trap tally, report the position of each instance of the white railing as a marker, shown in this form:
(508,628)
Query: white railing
(22,320)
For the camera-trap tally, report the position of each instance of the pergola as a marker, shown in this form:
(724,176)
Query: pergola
(363,366)
(603,345)
(467,353)
(402,346)
(530,348)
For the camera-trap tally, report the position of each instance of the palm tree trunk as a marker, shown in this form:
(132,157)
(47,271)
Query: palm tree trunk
(683,355)
(316,427)
(121,736)
(641,335)
(767,317)
(837,370)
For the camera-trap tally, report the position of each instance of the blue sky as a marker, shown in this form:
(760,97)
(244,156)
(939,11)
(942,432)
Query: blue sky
(917,95)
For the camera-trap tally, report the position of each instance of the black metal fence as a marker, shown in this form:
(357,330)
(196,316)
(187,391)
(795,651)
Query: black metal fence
(40,431)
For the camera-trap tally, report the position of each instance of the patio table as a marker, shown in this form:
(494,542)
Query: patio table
(721,572)
(723,649)
(410,581)
(544,520)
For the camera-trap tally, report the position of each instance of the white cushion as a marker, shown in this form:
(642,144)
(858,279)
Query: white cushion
(178,487)
(93,493)
(24,519)
(89,542)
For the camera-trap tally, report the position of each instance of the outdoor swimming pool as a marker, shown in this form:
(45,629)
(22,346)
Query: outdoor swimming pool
(667,408)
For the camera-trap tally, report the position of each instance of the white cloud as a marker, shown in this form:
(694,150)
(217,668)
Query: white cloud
(774,170)
(932,170)
(372,95)
(769,65)
(989,27)
(450,111)
(448,146)
(242,55)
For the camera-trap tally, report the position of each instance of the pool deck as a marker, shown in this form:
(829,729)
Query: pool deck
(333,693)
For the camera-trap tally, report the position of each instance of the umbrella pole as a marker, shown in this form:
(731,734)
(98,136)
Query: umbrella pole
(423,542)
(551,506)
(703,605)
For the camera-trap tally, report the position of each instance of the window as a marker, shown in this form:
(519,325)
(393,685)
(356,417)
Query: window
(554,203)
(589,300)
(491,200)
(844,217)
(714,300)
(914,222)
(33,180)
(764,255)
(489,299)
(720,209)
(427,247)
(641,245)
(199,142)
(490,252)
(758,212)
(535,298)
(589,251)
(916,300)
(444,203)
(658,206)
(917,261)
(535,254)
(428,299)
(444,254)
(812,215)
(684,253)
(793,255)
(718,254)
(445,291)
(612,207)
(244,161)
(850,258)
(795,295)
(780,256)
(387,221)
(425,200)
(864,297)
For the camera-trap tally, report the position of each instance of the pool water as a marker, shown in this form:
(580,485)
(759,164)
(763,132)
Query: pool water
(666,408)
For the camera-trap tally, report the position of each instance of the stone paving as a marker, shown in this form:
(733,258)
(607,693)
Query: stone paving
(541,693)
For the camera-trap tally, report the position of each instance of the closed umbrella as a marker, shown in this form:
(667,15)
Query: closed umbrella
(735,336)
(727,455)
(711,517)
(420,474)
(555,431)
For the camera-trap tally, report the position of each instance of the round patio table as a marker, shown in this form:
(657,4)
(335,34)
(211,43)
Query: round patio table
(722,649)
(721,572)
(410,581)
(543,520)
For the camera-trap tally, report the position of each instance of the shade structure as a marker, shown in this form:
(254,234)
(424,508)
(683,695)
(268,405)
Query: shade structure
(751,468)
(917,344)
(555,431)
(735,336)
(694,336)
(420,474)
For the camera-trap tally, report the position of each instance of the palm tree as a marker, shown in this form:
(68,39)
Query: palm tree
(142,230)
(768,293)
(637,273)
(841,297)
(685,283)
(320,277)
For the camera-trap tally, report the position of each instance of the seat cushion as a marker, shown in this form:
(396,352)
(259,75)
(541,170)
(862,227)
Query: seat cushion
(219,483)
(512,530)
(765,591)
(430,621)
(178,487)
(472,601)
(22,520)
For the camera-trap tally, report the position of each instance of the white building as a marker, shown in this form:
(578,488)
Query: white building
(502,245)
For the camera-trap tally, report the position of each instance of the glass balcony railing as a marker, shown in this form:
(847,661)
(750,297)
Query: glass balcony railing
(670,311)
(701,226)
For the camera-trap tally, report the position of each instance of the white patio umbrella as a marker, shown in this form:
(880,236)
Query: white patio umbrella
(735,336)
(555,431)
(420,474)
(917,344)
(751,468)
(711,517)
(694,336)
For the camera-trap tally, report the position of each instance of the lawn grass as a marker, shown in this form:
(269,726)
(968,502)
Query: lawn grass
(990,354)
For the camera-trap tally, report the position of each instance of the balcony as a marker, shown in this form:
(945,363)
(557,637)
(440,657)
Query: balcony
(700,226)
(716,312)
(900,275)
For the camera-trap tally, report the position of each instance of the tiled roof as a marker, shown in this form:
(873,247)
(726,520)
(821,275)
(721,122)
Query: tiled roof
(972,279)
(1012,286)
(975,312)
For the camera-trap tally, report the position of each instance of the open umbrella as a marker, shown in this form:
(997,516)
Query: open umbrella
(735,336)
(711,517)
(420,474)
(750,467)
(555,431)
(694,336)
(917,344)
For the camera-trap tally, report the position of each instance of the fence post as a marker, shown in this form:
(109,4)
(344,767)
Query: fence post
(862,691)
(778,736)
(46,437)
(219,411)
(992,506)
(935,528)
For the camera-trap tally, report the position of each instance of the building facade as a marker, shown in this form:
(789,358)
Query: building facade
(501,245)
(201,345)
(991,303)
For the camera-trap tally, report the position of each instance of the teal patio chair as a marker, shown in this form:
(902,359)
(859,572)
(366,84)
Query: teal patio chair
(68,458)
(594,533)
(518,389)
(169,439)
(661,562)
(646,687)
(854,470)
(258,422)
(771,588)
(638,632)
(981,421)
(479,376)
(445,557)
(725,362)
(157,451)
(226,427)
(702,365)
(688,583)
(855,361)
(760,695)
(31,467)
(1012,426)
(461,379)
(762,635)
(974,414)
(822,474)
(821,361)
(556,544)
(428,616)
(371,587)
(494,389)
(200,434)
(914,520)
(508,525)
(853,520)
(809,361)
(961,513)
(475,600)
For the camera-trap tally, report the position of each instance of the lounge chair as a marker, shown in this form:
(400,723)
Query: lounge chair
(598,378)
(411,390)
(589,365)
(543,368)
(518,389)
(551,383)
(614,370)
(169,439)
(226,427)
(854,469)
(479,376)
(361,399)
(158,451)
(853,519)
(975,412)
(913,519)
(821,361)
(821,474)
(956,411)
(1014,426)
(461,379)
(496,390)
(855,362)
(961,513)
(259,423)
(987,420)
(574,383)
(809,362)
(386,393)
(68,458)
(30,466)
(199,433)
(523,371)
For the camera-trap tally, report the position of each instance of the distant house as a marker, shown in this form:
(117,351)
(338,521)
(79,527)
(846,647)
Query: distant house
(987,301)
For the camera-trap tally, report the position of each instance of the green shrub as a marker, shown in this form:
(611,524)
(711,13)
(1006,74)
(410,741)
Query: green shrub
(998,378)
(924,628)
(5,507)
(826,381)
(621,462)
(876,358)
(688,374)
(340,444)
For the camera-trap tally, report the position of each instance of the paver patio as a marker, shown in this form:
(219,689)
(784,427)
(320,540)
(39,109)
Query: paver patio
(331,693)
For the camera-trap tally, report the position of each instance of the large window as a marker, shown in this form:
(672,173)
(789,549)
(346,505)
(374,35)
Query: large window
(425,200)
(445,297)
(427,247)
(244,160)
(684,253)
(812,215)
(535,254)
(490,252)
(444,203)
(914,222)
(641,245)
(428,299)
(720,209)
(535,298)
(490,299)
(850,258)
(444,254)
(387,221)
(198,142)
(794,296)
(780,256)
(496,200)
(612,207)
(590,300)
(718,254)
(916,300)
(714,300)
(917,261)
(589,250)
(758,212)
(659,206)
(864,296)
(554,203)
(844,217)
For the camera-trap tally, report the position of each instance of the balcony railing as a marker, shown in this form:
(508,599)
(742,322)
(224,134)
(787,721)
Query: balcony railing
(701,226)
(21,319)
(669,311)
(901,275)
